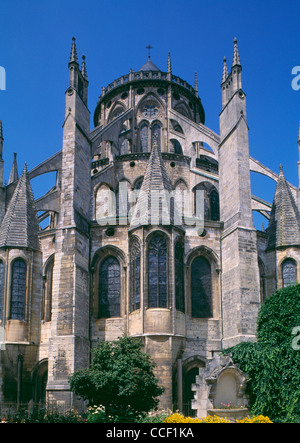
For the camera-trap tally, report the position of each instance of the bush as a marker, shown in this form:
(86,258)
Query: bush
(271,364)
(43,416)
(120,379)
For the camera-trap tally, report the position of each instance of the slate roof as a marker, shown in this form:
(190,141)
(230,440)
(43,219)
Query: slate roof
(150,210)
(284,226)
(149,66)
(20,226)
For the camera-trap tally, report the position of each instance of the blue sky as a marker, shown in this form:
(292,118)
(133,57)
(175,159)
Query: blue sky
(36,37)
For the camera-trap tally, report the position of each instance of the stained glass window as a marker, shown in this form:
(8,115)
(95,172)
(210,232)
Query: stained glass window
(18,290)
(179,278)
(289,273)
(157,273)
(144,138)
(135,255)
(47,299)
(156,133)
(109,288)
(214,206)
(1,287)
(201,288)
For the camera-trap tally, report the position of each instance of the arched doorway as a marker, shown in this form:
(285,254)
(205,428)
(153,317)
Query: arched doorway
(40,379)
(189,378)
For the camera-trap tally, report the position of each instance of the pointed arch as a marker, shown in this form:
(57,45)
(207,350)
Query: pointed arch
(179,277)
(157,271)
(18,289)
(289,272)
(117,109)
(109,288)
(47,289)
(135,274)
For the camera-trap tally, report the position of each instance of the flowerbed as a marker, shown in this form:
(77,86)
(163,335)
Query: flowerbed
(179,418)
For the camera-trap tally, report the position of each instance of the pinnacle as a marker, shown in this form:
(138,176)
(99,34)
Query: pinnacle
(169,63)
(1,130)
(73,57)
(236,54)
(83,68)
(225,70)
(14,175)
(196,82)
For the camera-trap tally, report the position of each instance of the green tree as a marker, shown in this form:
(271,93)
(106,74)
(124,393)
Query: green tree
(272,364)
(120,378)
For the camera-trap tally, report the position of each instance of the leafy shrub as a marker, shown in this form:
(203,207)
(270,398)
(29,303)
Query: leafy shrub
(155,417)
(42,416)
(121,379)
(272,365)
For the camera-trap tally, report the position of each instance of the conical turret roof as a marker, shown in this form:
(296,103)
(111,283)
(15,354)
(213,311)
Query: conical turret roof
(20,227)
(149,66)
(284,226)
(154,206)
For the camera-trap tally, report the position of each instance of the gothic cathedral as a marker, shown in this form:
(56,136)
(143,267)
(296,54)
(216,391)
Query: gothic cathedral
(94,258)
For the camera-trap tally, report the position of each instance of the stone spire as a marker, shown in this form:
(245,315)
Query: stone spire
(236,54)
(73,57)
(169,63)
(196,84)
(153,206)
(20,225)
(284,226)
(14,174)
(83,68)
(169,69)
(225,70)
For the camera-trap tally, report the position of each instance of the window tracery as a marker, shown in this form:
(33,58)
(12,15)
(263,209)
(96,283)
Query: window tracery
(109,288)
(201,288)
(18,290)
(157,272)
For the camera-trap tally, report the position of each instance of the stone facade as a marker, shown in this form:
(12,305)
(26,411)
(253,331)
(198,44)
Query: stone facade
(108,263)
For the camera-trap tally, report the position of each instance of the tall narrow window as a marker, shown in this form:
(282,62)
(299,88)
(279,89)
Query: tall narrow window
(289,273)
(109,288)
(262,280)
(179,277)
(214,206)
(144,138)
(135,271)
(18,290)
(201,288)
(47,299)
(1,287)
(157,273)
(156,134)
